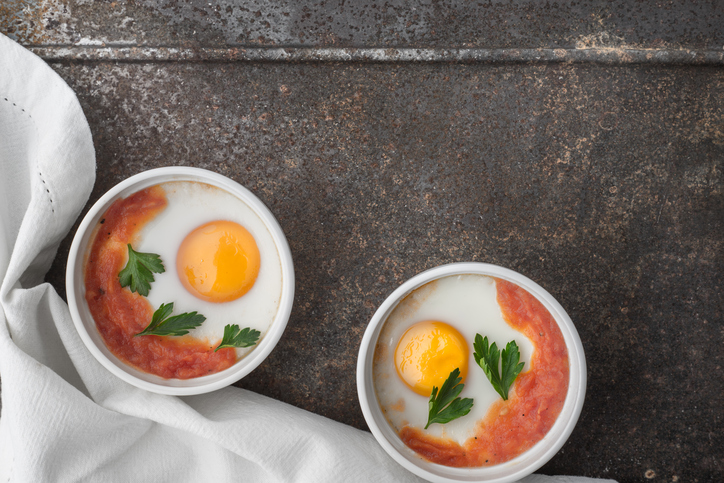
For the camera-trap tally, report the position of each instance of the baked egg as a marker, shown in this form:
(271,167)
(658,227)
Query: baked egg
(220,260)
(430,333)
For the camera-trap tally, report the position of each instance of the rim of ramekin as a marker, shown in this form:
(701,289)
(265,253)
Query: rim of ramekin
(518,467)
(86,328)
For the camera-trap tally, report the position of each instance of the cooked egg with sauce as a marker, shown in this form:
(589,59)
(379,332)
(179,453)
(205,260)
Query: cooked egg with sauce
(220,260)
(429,334)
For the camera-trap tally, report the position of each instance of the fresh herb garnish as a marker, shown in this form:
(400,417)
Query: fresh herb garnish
(487,358)
(138,272)
(162,324)
(446,405)
(236,337)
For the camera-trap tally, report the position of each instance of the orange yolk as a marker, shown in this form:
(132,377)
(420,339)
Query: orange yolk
(218,261)
(427,353)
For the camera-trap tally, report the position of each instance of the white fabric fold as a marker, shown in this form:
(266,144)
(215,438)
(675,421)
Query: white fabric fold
(65,417)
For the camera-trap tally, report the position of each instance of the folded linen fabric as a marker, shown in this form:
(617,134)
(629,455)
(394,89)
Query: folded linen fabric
(64,417)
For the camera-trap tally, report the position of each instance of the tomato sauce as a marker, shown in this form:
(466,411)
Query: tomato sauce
(121,314)
(511,427)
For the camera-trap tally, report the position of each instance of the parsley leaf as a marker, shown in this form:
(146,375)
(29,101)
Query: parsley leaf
(138,272)
(446,405)
(236,337)
(487,358)
(162,324)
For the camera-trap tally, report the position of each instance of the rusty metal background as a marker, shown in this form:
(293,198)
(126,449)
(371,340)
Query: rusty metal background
(579,143)
(436,24)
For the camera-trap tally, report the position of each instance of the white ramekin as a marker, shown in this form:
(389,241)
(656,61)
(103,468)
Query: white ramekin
(86,326)
(514,469)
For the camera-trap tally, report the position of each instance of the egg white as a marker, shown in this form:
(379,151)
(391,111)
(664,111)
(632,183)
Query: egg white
(469,304)
(190,205)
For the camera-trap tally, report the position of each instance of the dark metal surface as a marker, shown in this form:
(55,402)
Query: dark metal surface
(603,56)
(670,24)
(601,180)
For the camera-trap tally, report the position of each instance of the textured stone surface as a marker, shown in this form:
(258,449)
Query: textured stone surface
(604,185)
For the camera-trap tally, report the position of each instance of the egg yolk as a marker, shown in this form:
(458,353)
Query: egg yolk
(218,261)
(427,353)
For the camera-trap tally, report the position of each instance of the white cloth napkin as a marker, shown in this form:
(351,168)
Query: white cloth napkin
(65,417)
